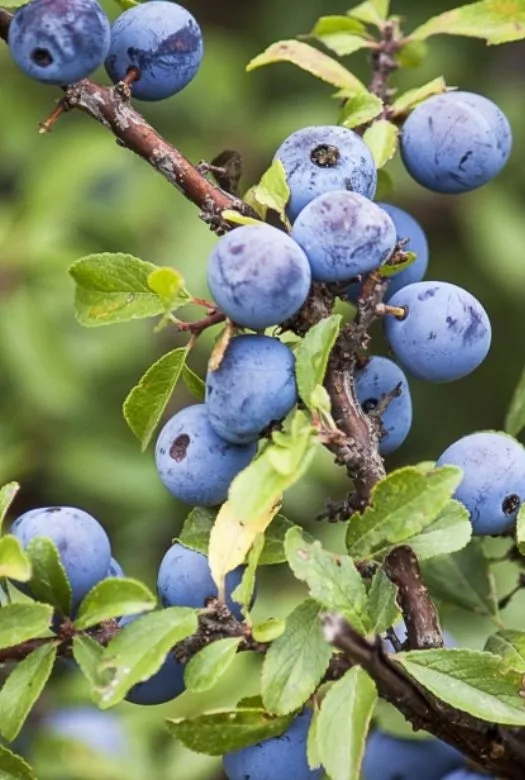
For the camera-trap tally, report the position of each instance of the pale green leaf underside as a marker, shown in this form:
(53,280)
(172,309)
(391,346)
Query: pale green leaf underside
(205,668)
(22,688)
(114,597)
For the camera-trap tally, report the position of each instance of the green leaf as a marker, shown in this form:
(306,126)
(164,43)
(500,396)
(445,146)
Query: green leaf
(196,530)
(268,630)
(145,404)
(139,650)
(113,288)
(360,109)
(222,731)
(21,622)
(371,11)
(88,654)
(7,495)
(313,353)
(390,720)
(243,593)
(111,598)
(389,269)
(403,504)
(313,754)
(307,58)
(510,646)
(469,680)
(273,550)
(12,767)
(385,186)
(412,54)
(382,608)
(23,687)
(520,530)
(49,582)
(382,139)
(333,580)
(451,531)
(296,662)
(193,383)
(259,487)
(273,191)
(239,219)
(497,21)
(343,725)
(515,419)
(410,99)
(205,668)
(341,34)
(14,563)
(168,284)
(463,579)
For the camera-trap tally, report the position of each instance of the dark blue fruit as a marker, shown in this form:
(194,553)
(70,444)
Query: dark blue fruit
(455,142)
(59,41)
(280,757)
(392,758)
(195,464)
(467,774)
(101,731)
(320,159)
(254,386)
(162,40)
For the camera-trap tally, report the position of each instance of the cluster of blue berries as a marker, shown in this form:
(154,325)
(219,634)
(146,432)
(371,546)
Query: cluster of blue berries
(64,41)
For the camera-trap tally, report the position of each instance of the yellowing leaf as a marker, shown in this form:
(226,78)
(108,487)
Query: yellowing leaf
(497,21)
(382,139)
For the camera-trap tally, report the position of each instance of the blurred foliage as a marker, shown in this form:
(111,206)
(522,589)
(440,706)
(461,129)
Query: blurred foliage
(74,192)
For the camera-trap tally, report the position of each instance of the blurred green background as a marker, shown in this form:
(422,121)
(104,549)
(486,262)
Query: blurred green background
(74,192)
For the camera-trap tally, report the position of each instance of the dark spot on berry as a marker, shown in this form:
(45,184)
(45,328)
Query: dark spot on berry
(369,405)
(52,509)
(429,293)
(42,57)
(236,249)
(451,322)
(179,447)
(325,156)
(511,504)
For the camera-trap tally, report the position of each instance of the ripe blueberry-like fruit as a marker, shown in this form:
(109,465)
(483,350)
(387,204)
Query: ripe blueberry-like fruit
(185,580)
(467,774)
(82,543)
(455,142)
(59,41)
(98,730)
(493,484)
(392,758)
(278,757)
(115,569)
(320,159)
(195,464)
(258,275)
(254,385)
(344,234)
(444,335)
(374,380)
(406,228)
(163,686)
(162,40)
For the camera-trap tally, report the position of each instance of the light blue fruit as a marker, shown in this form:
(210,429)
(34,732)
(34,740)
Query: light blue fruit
(406,228)
(185,580)
(344,234)
(493,484)
(467,774)
(280,757)
(161,39)
(82,543)
(320,159)
(392,758)
(101,731)
(445,334)
(455,142)
(258,276)
(195,464)
(374,380)
(254,386)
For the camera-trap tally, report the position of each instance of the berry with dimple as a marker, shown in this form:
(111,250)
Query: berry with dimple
(377,378)
(455,142)
(406,228)
(163,686)
(258,276)
(185,580)
(344,234)
(253,387)
(195,464)
(493,483)
(100,731)
(320,159)
(163,41)
(444,335)
(59,41)
(278,757)
(392,758)
(82,543)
